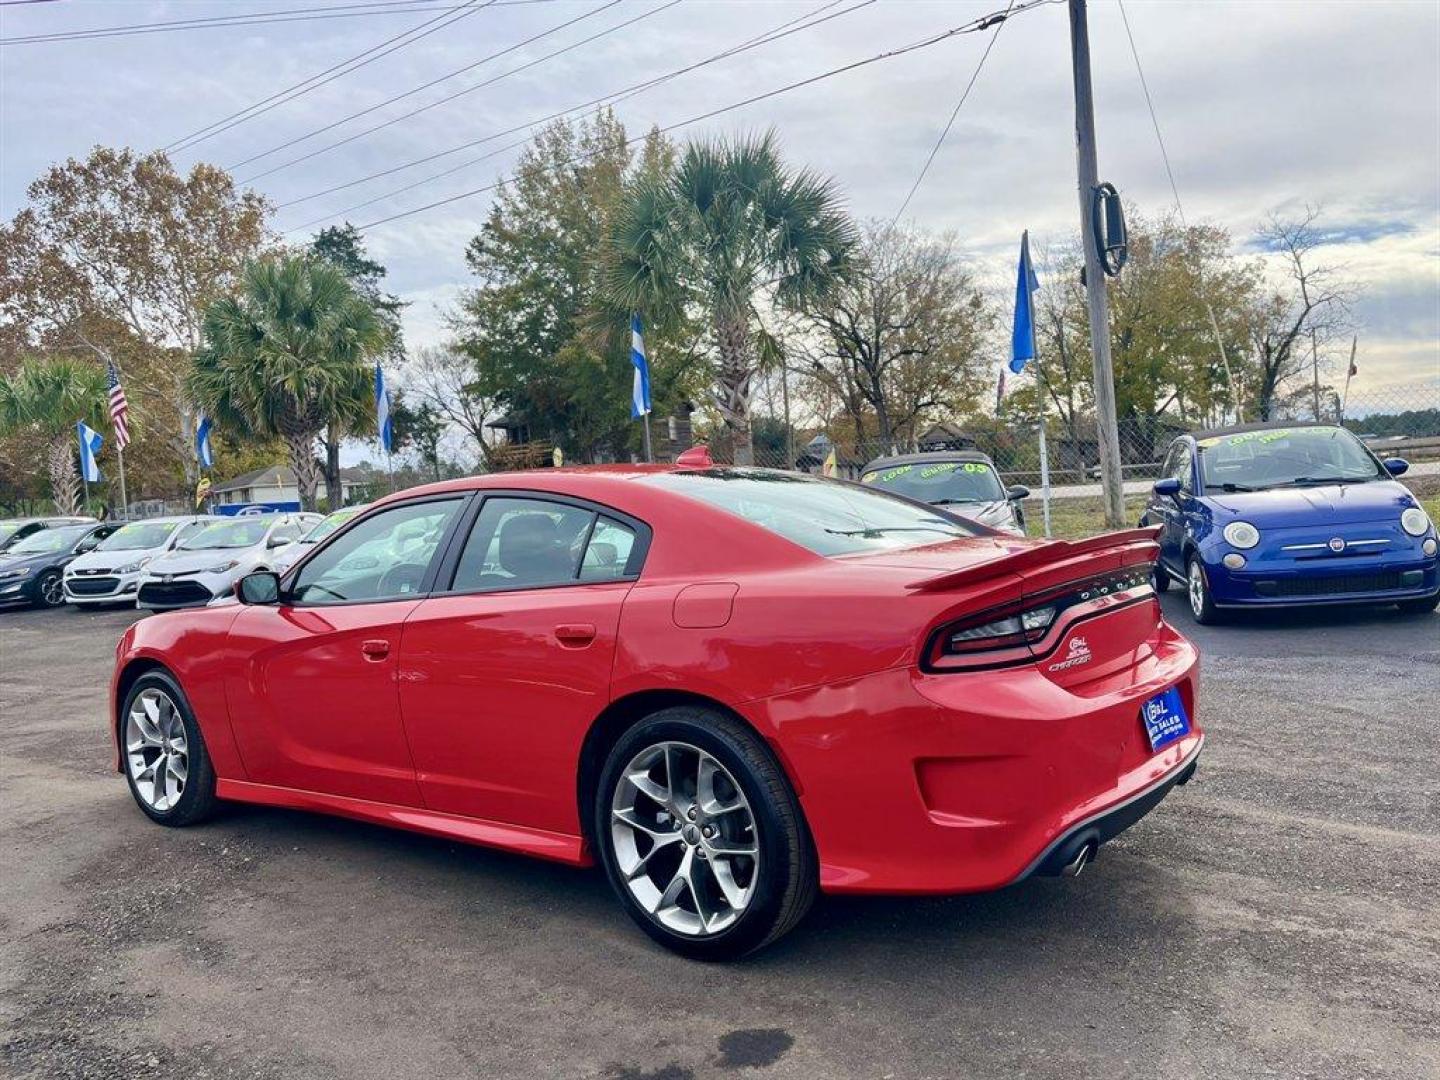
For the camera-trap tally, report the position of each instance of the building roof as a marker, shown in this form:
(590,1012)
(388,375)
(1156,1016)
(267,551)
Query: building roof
(280,476)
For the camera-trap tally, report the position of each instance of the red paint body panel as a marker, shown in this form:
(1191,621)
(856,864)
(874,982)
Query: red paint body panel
(470,723)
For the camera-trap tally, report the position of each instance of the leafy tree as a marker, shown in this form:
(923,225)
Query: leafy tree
(543,347)
(729,225)
(118,256)
(44,399)
(343,247)
(291,353)
(902,340)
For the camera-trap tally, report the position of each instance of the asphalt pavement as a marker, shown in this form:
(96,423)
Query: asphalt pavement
(1275,918)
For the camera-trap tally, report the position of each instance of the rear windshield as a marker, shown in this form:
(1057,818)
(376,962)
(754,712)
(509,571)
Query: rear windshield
(1285,457)
(138,536)
(940,482)
(828,517)
(229,534)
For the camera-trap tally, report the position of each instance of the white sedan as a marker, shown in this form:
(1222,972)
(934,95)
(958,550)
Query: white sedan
(206,565)
(111,573)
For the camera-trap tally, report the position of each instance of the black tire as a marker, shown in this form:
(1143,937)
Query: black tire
(1202,608)
(197,799)
(49,590)
(1422,606)
(1159,579)
(787,872)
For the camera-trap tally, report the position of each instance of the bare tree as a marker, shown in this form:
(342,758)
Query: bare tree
(902,339)
(1315,299)
(444,379)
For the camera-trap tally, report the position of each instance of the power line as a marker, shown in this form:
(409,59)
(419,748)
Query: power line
(1180,209)
(253,18)
(783,30)
(430,26)
(449,97)
(891,54)
(999,23)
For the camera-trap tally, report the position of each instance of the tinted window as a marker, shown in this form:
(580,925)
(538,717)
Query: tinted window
(523,544)
(1280,457)
(940,481)
(330,524)
(382,558)
(827,517)
(607,556)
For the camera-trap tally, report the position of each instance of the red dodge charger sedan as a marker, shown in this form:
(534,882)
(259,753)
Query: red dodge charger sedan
(731,687)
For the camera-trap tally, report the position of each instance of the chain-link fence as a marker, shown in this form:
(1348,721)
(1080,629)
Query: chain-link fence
(1397,421)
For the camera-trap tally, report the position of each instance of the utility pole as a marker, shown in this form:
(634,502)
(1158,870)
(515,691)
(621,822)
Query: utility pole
(1107,430)
(1315,373)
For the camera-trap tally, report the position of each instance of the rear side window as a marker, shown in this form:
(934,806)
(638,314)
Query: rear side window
(520,543)
(827,517)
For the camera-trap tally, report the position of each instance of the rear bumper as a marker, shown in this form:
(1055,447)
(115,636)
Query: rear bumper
(969,781)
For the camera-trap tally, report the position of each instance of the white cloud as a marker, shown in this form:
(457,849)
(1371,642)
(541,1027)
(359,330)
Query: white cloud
(1263,105)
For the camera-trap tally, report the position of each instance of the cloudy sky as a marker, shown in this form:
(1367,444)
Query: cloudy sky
(1264,105)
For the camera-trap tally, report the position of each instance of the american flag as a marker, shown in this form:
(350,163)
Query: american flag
(119,409)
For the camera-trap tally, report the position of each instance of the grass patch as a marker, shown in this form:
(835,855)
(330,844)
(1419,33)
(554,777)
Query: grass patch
(1075,519)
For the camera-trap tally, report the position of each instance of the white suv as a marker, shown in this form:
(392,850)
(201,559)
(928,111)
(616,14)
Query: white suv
(207,564)
(111,573)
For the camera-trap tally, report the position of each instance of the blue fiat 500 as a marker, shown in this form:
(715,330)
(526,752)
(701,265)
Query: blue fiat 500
(1284,514)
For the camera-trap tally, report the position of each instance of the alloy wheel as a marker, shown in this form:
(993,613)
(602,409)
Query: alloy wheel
(156,751)
(684,839)
(1197,589)
(52,590)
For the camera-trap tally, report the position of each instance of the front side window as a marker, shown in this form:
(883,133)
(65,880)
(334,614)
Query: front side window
(382,558)
(1286,457)
(940,482)
(523,544)
(826,517)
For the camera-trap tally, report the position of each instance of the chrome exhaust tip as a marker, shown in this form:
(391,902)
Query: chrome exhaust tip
(1073,868)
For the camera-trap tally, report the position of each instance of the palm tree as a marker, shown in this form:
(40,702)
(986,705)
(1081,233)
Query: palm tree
(47,397)
(730,222)
(289,354)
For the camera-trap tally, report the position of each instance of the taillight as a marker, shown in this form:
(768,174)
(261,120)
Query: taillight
(1019,632)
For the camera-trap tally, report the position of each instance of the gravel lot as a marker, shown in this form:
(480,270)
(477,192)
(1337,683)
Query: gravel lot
(1278,917)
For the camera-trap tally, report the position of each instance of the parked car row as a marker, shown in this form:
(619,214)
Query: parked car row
(157,563)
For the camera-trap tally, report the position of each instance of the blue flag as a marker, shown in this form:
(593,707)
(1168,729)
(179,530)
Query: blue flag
(90,441)
(640,389)
(203,450)
(1023,339)
(382,411)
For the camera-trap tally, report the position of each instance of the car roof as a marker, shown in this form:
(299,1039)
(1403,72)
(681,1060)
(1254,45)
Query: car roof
(48,519)
(1263,425)
(929,457)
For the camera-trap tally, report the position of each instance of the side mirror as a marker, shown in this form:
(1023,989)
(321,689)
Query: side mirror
(1167,488)
(276,541)
(1016,493)
(261,587)
(1397,466)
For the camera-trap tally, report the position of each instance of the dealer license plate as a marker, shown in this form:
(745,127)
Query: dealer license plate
(1164,719)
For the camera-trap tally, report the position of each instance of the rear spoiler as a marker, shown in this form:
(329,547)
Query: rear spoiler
(1133,545)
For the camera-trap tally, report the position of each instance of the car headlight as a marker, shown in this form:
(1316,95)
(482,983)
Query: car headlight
(1415,521)
(1241,534)
(10,575)
(134,567)
(220,568)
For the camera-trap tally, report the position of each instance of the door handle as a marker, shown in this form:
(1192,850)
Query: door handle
(575,633)
(375,649)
